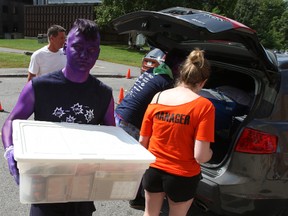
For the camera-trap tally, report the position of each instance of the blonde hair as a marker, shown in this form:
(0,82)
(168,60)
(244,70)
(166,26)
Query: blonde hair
(195,69)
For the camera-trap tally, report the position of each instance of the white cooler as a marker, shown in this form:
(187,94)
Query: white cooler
(61,162)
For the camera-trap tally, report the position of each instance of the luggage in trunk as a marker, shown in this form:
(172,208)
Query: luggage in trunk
(232,102)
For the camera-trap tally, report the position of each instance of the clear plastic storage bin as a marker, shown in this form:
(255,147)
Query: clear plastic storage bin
(61,162)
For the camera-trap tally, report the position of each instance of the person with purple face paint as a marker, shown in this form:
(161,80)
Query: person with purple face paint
(69,95)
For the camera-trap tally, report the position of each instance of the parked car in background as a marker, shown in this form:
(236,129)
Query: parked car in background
(152,59)
(248,173)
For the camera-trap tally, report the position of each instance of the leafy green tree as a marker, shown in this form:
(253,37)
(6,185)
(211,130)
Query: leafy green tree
(281,26)
(263,16)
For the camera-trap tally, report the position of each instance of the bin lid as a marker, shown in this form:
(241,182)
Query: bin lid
(70,142)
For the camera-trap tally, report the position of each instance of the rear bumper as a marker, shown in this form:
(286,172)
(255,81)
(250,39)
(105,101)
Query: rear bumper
(231,200)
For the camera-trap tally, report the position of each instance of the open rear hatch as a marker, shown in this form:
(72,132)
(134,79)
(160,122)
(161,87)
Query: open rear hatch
(186,28)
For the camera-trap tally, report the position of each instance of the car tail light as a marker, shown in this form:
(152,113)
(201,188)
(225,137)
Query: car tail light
(256,142)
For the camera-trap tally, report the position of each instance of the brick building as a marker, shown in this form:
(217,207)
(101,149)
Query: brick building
(12,18)
(44,13)
(38,18)
(29,18)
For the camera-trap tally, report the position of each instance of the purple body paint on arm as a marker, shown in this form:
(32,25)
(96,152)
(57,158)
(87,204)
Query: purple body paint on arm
(22,110)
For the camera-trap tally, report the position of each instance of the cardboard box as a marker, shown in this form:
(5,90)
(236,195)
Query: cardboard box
(61,162)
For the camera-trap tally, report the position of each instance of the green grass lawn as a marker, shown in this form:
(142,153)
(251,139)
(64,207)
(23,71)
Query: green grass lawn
(111,53)
(14,60)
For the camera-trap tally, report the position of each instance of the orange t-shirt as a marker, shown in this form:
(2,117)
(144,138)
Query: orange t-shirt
(173,131)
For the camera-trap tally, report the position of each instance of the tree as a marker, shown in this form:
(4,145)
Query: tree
(281,26)
(263,16)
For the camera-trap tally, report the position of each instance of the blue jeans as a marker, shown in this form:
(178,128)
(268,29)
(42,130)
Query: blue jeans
(129,128)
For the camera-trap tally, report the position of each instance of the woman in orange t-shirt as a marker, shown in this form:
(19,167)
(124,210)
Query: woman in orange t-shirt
(177,129)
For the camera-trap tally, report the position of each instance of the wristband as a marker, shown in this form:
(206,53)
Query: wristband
(8,149)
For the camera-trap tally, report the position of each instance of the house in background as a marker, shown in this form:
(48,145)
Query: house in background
(31,18)
(38,18)
(12,18)
(44,13)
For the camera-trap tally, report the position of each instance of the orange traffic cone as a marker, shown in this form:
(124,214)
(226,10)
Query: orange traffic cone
(121,95)
(1,108)
(128,74)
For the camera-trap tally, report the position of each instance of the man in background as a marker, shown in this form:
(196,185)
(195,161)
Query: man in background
(51,57)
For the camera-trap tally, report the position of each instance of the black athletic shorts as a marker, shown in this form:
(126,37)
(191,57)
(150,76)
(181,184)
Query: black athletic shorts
(61,209)
(177,188)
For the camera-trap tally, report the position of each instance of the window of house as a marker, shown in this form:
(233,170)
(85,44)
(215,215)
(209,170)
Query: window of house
(15,10)
(4,9)
(15,27)
(5,28)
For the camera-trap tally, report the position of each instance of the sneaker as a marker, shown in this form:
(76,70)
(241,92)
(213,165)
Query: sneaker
(138,203)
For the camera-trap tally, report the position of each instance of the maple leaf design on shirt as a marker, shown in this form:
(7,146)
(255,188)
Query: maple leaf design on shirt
(70,119)
(77,109)
(89,115)
(59,112)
